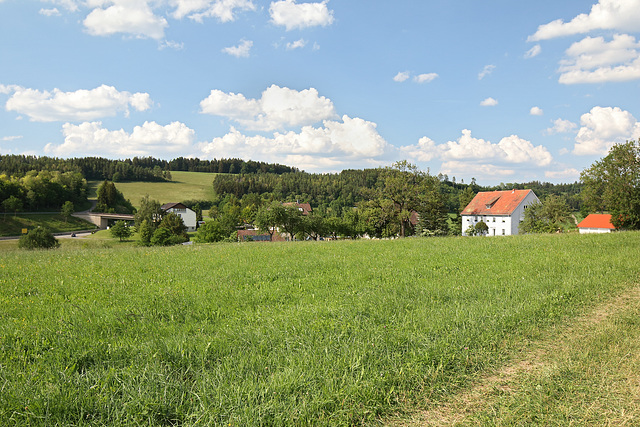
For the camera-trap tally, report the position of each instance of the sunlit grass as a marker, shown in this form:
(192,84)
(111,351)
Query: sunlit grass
(184,186)
(281,334)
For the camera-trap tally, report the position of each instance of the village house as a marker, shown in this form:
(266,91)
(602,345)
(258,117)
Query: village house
(501,211)
(596,223)
(188,216)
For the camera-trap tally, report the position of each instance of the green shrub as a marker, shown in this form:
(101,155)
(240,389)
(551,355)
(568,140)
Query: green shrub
(38,238)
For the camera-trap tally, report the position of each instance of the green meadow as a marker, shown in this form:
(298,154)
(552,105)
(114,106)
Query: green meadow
(13,225)
(321,333)
(184,186)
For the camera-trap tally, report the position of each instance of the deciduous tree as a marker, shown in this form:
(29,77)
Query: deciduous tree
(613,184)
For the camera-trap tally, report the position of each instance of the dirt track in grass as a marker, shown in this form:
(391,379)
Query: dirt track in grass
(487,394)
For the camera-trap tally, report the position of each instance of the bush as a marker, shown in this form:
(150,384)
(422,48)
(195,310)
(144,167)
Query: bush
(38,238)
(164,237)
(211,231)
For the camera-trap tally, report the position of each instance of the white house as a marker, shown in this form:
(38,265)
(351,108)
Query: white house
(502,211)
(596,223)
(188,216)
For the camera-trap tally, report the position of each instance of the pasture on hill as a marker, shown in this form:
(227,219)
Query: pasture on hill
(184,186)
(296,333)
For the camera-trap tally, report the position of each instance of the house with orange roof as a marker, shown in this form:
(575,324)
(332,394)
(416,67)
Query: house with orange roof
(501,211)
(596,223)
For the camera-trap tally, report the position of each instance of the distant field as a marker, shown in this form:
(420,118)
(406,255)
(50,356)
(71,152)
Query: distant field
(185,186)
(321,333)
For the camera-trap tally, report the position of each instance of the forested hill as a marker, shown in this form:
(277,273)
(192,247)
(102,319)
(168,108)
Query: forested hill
(136,169)
(347,188)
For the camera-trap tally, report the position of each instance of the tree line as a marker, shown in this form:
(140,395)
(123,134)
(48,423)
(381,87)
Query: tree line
(136,169)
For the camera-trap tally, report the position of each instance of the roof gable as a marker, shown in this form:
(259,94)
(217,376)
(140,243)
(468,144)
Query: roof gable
(168,206)
(597,221)
(496,202)
(305,208)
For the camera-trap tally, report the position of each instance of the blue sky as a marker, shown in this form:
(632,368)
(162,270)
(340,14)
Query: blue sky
(497,90)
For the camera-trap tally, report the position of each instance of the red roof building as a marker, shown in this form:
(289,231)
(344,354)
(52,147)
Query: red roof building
(305,208)
(501,211)
(596,223)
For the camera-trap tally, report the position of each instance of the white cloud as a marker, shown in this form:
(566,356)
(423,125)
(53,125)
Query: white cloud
(50,12)
(489,102)
(620,15)
(536,111)
(533,52)
(488,69)
(561,126)
(425,78)
(81,105)
(298,44)
(335,144)
(223,10)
(171,45)
(593,60)
(603,127)
(240,51)
(292,15)
(276,109)
(565,174)
(510,150)
(401,76)
(11,138)
(481,169)
(133,17)
(90,138)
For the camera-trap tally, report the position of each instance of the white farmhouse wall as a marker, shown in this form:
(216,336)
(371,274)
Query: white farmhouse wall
(188,217)
(518,213)
(593,230)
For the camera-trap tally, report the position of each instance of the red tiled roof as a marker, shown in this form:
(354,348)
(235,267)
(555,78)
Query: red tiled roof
(597,221)
(495,202)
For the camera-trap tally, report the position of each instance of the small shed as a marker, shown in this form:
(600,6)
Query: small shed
(596,223)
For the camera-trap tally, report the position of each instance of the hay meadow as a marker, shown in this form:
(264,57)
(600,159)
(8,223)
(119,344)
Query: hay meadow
(302,333)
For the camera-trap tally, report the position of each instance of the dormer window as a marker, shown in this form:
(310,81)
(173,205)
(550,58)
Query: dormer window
(492,202)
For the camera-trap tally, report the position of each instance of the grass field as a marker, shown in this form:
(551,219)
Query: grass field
(322,333)
(184,186)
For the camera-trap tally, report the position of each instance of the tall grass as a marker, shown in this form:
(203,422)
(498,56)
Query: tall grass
(326,333)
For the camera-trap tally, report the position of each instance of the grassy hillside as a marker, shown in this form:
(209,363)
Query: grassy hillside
(185,186)
(12,226)
(329,333)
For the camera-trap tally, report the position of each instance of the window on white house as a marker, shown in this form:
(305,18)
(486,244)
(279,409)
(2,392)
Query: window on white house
(503,231)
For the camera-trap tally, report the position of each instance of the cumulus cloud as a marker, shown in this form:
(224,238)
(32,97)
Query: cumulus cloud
(561,126)
(50,12)
(536,111)
(240,51)
(292,15)
(401,76)
(81,105)
(489,102)
(133,17)
(277,108)
(425,78)
(223,10)
(603,127)
(619,15)
(91,138)
(565,174)
(533,52)
(480,169)
(11,138)
(593,60)
(488,69)
(298,44)
(510,150)
(336,143)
